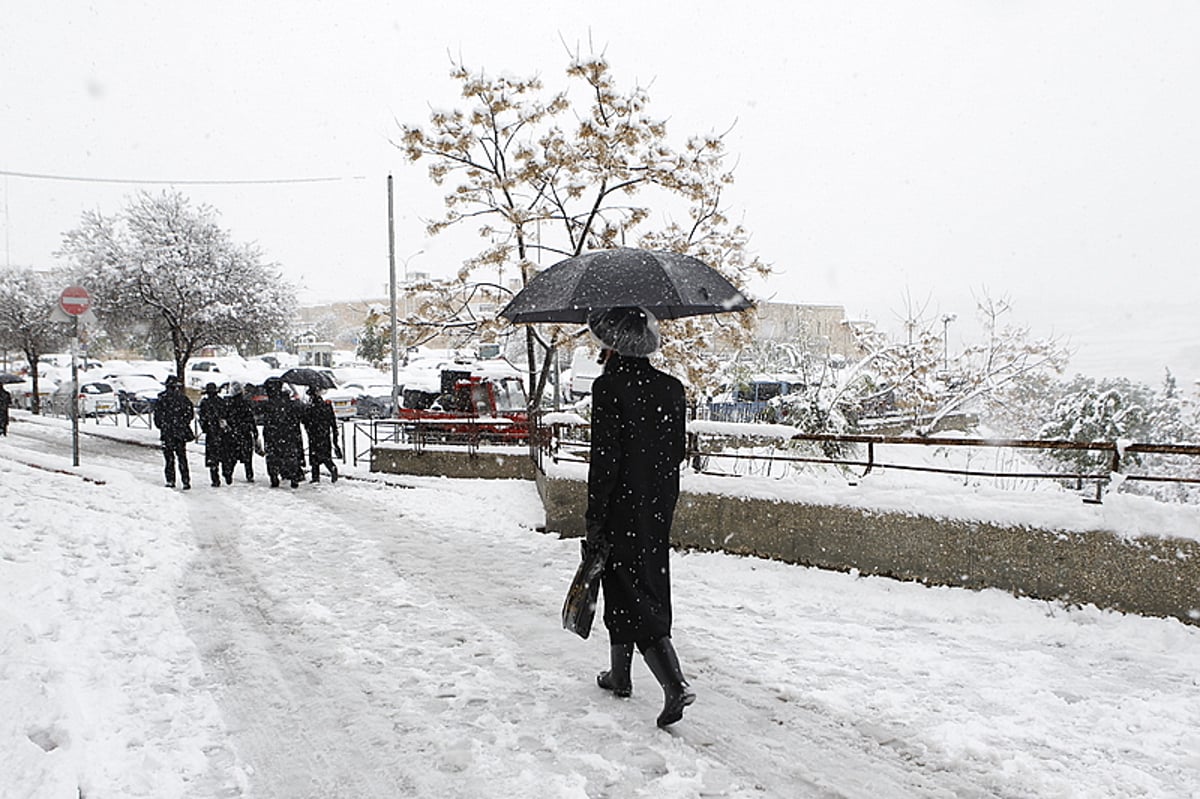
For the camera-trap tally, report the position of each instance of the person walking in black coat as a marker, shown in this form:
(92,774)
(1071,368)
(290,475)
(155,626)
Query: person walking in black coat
(282,440)
(5,401)
(241,435)
(639,439)
(173,413)
(212,421)
(322,429)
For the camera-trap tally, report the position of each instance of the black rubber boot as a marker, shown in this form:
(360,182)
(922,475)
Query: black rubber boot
(215,474)
(333,473)
(677,694)
(617,678)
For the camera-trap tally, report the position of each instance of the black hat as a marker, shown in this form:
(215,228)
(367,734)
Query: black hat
(172,380)
(211,388)
(629,331)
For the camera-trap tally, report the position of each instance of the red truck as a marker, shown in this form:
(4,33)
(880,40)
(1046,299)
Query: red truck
(469,408)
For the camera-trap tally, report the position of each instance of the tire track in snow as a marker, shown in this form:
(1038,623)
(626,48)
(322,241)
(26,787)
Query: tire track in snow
(302,727)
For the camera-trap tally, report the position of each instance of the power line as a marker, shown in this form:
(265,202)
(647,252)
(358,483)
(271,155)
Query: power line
(79,179)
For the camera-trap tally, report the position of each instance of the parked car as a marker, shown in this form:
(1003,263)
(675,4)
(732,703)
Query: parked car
(22,393)
(136,393)
(94,398)
(344,403)
(374,399)
(201,373)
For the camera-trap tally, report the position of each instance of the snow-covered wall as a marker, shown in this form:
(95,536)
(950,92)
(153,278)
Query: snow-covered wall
(1156,576)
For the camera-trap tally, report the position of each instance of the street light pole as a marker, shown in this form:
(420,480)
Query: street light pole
(406,293)
(946,320)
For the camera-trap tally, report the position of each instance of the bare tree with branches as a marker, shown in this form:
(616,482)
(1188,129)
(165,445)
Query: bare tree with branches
(550,176)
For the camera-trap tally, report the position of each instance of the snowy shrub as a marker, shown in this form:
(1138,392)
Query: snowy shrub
(814,410)
(1123,410)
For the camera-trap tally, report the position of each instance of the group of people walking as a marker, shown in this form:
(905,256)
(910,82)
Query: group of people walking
(231,434)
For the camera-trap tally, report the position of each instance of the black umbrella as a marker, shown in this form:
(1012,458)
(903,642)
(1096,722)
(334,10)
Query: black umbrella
(308,377)
(667,284)
(9,377)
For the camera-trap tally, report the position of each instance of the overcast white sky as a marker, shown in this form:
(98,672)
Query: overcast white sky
(1043,151)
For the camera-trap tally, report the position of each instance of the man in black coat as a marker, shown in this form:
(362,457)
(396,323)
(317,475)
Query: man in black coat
(282,440)
(322,429)
(212,421)
(639,439)
(173,413)
(5,401)
(241,435)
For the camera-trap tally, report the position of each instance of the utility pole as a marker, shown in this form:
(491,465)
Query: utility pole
(392,283)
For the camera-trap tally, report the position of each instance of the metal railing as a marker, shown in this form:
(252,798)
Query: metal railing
(367,434)
(561,444)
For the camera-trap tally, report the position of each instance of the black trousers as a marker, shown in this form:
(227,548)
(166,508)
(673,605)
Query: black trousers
(175,453)
(228,466)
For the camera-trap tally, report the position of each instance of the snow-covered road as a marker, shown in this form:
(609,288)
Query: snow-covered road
(372,639)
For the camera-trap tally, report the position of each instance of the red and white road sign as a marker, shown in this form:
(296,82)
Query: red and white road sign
(75,300)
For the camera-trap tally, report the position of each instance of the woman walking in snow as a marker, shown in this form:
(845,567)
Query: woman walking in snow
(638,442)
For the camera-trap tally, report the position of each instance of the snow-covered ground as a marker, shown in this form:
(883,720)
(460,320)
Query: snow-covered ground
(401,638)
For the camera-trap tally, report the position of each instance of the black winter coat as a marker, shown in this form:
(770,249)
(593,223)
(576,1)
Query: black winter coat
(5,401)
(639,438)
(173,413)
(242,428)
(216,444)
(282,440)
(321,426)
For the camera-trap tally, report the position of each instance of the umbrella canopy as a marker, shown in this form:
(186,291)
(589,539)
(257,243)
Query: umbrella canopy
(667,284)
(9,377)
(308,377)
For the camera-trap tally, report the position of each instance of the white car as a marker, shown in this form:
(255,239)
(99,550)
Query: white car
(94,398)
(201,373)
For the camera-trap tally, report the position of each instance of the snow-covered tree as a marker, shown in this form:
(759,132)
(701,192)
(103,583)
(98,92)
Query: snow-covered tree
(1093,410)
(27,300)
(1172,418)
(929,385)
(163,270)
(374,346)
(551,176)
(815,408)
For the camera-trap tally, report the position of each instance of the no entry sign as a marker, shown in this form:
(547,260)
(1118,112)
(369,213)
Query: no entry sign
(75,300)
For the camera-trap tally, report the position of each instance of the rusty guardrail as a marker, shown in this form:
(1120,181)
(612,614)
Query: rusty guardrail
(559,446)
